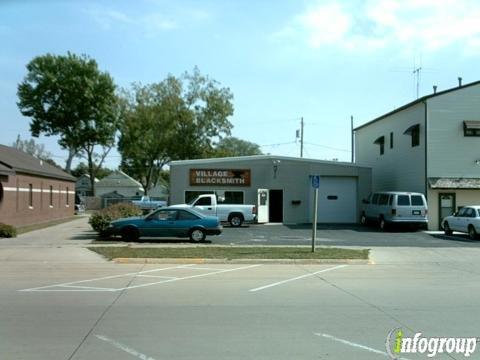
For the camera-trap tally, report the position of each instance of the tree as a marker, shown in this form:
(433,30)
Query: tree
(82,169)
(177,118)
(36,150)
(70,97)
(32,148)
(232,146)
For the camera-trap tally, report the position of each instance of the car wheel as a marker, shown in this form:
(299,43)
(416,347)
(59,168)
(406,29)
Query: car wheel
(472,233)
(197,235)
(383,224)
(446,229)
(130,234)
(236,220)
(363,220)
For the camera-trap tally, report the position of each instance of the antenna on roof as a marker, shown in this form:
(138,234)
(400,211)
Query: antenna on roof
(416,75)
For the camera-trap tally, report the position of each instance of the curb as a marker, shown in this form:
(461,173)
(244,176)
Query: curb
(239,261)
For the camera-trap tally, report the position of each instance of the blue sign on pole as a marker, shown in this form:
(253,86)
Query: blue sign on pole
(315,181)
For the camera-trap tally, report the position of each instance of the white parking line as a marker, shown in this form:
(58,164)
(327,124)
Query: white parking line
(124,347)
(165,279)
(105,278)
(297,278)
(355,345)
(188,277)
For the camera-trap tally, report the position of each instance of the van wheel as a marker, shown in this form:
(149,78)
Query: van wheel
(363,219)
(197,235)
(472,234)
(130,234)
(383,224)
(236,220)
(446,229)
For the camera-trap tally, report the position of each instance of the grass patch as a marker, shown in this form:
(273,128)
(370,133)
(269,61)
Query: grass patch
(28,228)
(217,252)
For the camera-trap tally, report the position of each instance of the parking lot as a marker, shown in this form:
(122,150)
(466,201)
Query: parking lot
(72,304)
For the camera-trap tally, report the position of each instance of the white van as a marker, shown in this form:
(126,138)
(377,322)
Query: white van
(394,207)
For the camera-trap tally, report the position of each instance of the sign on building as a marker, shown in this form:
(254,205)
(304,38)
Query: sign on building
(220,177)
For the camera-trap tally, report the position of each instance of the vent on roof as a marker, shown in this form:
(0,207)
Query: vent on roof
(459,81)
(434,89)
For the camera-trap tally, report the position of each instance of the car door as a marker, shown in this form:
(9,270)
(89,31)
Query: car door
(470,215)
(458,222)
(205,205)
(161,224)
(185,221)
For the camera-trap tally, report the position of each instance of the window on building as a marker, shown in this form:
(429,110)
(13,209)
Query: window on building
(414,132)
(51,195)
(228,197)
(471,128)
(391,140)
(67,199)
(381,143)
(1,193)
(233,197)
(30,195)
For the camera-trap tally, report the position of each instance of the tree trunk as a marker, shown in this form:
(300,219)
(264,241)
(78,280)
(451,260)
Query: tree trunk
(71,155)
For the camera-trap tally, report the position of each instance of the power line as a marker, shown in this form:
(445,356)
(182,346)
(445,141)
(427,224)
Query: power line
(327,147)
(285,143)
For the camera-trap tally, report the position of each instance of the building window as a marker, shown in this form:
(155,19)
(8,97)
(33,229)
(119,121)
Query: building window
(51,196)
(471,128)
(391,140)
(30,195)
(67,199)
(1,193)
(414,132)
(381,143)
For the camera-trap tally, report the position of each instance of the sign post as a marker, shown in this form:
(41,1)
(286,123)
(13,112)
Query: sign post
(315,184)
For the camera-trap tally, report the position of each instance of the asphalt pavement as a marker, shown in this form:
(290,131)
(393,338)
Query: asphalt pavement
(61,301)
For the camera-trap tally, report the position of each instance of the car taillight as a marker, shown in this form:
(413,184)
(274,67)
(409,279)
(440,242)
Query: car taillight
(394,212)
(254,210)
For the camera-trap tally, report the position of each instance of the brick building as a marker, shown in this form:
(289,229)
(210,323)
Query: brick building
(33,191)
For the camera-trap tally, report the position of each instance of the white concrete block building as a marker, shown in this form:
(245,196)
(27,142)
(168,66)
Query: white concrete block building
(279,186)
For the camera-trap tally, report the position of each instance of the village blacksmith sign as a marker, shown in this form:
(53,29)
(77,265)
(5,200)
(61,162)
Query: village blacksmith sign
(219,177)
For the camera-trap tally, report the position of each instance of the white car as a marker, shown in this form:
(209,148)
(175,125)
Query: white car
(466,220)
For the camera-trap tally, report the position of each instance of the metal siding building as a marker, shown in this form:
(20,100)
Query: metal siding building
(445,165)
(282,184)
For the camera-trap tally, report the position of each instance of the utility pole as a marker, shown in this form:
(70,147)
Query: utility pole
(301,137)
(352,134)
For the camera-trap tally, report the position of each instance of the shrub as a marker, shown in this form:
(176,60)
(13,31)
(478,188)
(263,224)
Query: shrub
(102,218)
(7,231)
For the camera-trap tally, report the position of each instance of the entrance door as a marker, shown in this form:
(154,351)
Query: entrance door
(446,205)
(262,197)
(275,207)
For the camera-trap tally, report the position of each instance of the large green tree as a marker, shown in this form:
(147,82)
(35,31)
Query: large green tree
(177,118)
(68,96)
(232,146)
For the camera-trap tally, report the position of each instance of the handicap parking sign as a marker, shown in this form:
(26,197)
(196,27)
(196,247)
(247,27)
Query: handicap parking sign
(315,181)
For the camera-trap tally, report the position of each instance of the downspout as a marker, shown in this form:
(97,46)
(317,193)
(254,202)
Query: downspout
(426,152)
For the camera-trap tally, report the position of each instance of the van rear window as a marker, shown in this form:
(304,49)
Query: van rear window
(403,200)
(417,200)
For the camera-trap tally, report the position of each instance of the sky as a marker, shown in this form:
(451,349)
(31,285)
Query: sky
(323,60)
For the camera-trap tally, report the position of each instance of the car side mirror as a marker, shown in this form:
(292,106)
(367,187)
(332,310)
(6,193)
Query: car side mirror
(455,213)
(149,218)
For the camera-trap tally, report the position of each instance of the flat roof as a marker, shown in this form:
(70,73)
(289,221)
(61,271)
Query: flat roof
(417,101)
(262,157)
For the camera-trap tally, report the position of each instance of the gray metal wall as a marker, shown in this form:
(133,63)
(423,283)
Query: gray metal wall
(292,176)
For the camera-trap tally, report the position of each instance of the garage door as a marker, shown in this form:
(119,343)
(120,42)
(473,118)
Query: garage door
(337,200)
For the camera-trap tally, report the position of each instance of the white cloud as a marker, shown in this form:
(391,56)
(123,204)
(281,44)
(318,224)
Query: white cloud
(428,25)
(150,22)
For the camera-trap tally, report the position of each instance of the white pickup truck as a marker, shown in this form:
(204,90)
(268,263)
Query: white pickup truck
(235,214)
